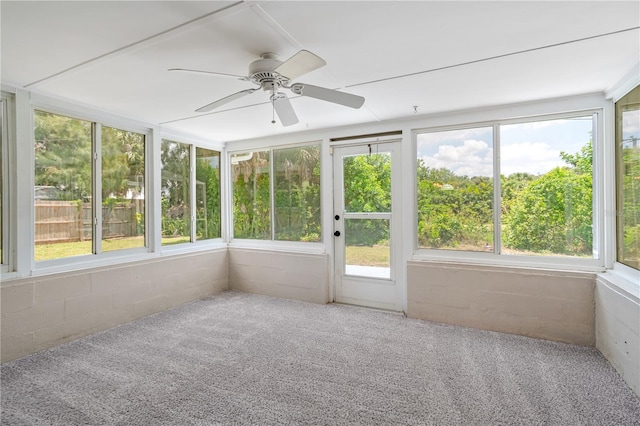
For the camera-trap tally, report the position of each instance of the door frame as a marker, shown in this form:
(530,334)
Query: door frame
(394,291)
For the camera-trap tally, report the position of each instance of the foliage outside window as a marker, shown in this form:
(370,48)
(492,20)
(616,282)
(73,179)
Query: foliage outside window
(297,193)
(208,218)
(628,178)
(122,189)
(546,189)
(176,199)
(296,203)
(64,181)
(455,189)
(63,186)
(179,182)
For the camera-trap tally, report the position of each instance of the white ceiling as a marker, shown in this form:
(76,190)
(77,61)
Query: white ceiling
(439,56)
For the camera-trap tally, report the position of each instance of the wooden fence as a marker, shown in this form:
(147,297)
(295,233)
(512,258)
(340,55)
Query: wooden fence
(64,221)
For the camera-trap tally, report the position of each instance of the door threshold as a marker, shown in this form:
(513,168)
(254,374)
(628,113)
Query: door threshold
(369,308)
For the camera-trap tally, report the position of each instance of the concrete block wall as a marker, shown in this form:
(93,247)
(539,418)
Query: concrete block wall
(280,274)
(42,312)
(618,329)
(542,304)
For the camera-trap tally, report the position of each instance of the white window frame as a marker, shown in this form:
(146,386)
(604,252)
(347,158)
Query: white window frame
(496,258)
(194,244)
(9,211)
(272,243)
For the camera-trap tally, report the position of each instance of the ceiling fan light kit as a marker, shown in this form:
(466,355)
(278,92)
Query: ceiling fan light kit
(270,74)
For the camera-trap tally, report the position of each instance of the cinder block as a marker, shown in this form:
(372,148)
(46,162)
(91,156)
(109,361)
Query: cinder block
(16,346)
(78,308)
(63,287)
(106,280)
(38,316)
(16,298)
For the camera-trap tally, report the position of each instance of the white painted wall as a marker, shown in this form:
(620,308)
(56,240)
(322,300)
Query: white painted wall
(618,328)
(553,305)
(46,311)
(300,276)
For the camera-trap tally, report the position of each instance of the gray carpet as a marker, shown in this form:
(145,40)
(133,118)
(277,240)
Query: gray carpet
(247,359)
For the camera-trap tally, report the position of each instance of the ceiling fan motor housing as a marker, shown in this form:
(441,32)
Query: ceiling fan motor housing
(262,72)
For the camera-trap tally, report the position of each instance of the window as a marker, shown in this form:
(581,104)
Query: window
(208,218)
(3,180)
(455,189)
(628,178)
(251,195)
(63,186)
(65,181)
(176,194)
(276,194)
(122,189)
(544,175)
(297,193)
(185,190)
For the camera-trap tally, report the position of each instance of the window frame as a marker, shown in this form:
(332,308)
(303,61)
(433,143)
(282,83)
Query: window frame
(272,243)
(194,243)
(9,210)
(97,121)
(496,258)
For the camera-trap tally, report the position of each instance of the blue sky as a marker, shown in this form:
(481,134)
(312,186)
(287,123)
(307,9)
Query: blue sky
(526,147)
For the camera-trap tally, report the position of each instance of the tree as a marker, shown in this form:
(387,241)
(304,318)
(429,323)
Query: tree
(553,213)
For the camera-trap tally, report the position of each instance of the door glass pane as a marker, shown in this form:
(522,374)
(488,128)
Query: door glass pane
(207,194)
(122,189)
(63,186)
(367,251)
(176,203)
(367,183)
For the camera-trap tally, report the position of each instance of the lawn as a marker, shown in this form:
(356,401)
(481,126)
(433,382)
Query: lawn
(378,255)
(78,248)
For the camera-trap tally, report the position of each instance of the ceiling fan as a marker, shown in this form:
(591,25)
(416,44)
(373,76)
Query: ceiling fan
(271,74)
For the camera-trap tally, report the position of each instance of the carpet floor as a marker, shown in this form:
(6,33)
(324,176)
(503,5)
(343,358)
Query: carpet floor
(240,358)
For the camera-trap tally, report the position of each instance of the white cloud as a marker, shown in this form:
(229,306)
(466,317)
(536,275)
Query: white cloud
(529,157)
(475,158)
(472,158)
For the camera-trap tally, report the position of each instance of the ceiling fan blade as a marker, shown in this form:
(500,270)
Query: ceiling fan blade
(329,95)
(225,100)
(219,74)
(285,111)
(299,64)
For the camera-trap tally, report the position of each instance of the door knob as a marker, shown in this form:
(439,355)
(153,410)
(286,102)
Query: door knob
(337,217)
(337,233)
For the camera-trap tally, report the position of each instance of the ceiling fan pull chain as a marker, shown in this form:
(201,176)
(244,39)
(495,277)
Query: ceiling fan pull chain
(273,111)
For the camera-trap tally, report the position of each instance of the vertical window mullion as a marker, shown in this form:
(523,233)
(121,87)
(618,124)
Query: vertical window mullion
(97,188)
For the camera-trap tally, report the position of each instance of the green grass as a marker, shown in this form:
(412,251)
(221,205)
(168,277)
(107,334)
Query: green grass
(79,248)
(378,255)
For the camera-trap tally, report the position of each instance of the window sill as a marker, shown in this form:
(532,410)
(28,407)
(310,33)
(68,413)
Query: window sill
(504,261)
(624,282)
(281,246)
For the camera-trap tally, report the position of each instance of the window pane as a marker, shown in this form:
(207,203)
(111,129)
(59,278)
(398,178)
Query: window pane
(251,195)
(628,173)
(367,183)
(63,182)
(176,215)
(455,189)
(122,189)
(207,194)
(297,193)
(546,185)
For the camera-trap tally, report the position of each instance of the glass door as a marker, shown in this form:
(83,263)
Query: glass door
(366,211)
